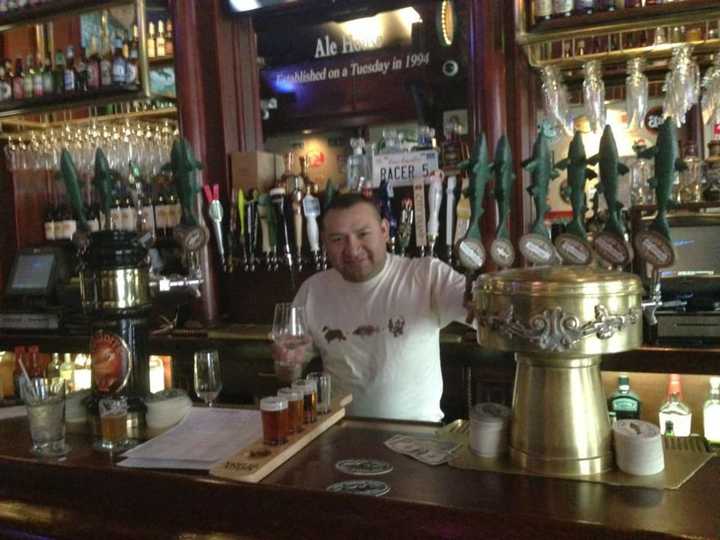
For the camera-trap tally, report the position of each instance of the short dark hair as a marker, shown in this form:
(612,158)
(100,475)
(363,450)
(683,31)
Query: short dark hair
(344,201)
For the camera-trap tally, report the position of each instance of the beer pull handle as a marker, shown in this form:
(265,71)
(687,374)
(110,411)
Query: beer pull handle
(215,211)
(434,200)
(406,224)
(311,208)
(297,198)
(263,209)
(449,216)
(420,223)
(251,219)
(277,195)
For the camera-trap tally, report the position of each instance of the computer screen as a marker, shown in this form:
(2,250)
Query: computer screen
(33,274)
(697,247)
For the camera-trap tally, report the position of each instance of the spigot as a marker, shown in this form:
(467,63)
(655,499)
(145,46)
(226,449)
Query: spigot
(651,305)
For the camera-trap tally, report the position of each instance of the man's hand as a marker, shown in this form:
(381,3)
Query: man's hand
(290,357)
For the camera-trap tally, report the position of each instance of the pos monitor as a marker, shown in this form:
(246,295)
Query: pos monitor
(33,274)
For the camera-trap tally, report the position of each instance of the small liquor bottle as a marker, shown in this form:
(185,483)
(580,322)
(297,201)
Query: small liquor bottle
(711,412)
(169,46)
(131,69)
(18,86)
(70,75)
(675,410)
(160,39)
(119,64)
(584,6)
(28,77)
(93,65)
(59,72)
(47,79)
(543,9)
(151,48)
(106,66)
(562,8)
(623,402)
(38,87)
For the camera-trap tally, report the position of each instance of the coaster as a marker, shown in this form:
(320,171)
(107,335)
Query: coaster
(363,467)
(373,488)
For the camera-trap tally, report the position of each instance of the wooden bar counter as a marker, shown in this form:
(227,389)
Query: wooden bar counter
(87,496)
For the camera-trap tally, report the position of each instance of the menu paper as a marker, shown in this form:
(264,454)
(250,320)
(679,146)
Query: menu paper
(205,437)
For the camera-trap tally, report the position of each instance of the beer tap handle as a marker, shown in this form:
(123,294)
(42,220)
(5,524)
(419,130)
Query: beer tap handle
(102,180)
(277,195)
(449,216)
(72,185)
(263,210)
(251,217)
(215,212)
(434,200)
(420,223)
(297,197)
(311,209)
(406,224)
(386,195)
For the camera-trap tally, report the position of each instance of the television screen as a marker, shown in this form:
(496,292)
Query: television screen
(697,250)
(32,274)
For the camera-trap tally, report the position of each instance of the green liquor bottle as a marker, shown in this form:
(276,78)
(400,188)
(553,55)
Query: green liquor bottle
(623,402)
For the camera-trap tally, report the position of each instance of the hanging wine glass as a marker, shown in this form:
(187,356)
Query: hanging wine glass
(594,95)
(636,93)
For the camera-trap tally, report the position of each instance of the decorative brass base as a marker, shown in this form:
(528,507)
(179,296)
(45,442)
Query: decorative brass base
(560,424)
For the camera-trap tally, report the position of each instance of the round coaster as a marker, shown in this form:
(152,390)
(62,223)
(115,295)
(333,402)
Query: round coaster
(373,488)
(363,467)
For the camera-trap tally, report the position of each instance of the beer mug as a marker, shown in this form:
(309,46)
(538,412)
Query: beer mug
(324,390)
(113,424)
(296,405)
(274,414)
(309,390)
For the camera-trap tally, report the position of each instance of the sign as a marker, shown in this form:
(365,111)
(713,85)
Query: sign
(403,168)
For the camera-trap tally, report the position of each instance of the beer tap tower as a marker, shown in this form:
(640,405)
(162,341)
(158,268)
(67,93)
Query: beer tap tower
(117,285)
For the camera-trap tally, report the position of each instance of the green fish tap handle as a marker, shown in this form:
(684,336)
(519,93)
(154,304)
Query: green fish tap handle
(573,246)
(501,250)
(655,244)
(72,185)
(536,245)
(610,244)
(102,181)
(184,166)
(471,252)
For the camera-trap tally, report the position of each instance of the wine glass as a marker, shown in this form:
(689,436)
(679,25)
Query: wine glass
(207,376)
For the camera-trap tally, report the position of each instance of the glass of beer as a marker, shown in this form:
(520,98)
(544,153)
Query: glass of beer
(296,405)
(324,390)
(309,390)
(274,414)
(113,424)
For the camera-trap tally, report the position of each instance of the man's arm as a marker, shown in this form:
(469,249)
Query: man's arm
(447,290)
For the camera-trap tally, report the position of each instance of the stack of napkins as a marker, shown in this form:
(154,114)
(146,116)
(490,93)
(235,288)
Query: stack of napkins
(205,437)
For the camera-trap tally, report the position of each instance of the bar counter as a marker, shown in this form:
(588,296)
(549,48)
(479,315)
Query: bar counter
(87,496)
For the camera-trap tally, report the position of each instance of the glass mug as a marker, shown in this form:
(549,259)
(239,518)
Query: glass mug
(324,390)
(274,415)
(113,424)
(309,390)
(296,405)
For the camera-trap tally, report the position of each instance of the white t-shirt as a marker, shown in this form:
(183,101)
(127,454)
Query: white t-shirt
(379,339)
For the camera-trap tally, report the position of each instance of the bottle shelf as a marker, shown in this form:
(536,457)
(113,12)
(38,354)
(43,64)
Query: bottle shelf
(54,102)
(53,9)
(614,37)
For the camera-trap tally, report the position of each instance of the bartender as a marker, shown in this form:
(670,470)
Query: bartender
(375,317)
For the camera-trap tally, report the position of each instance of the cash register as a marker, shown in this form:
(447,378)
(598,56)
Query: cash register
(691,286)
(29,302)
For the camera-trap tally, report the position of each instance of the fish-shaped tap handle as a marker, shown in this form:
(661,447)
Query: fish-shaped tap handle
(102,181)
(72,185)
(184,166)
(536,246)
(655,244)
(501,249)
(471,252)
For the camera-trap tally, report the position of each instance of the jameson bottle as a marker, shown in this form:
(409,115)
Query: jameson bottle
(623,402)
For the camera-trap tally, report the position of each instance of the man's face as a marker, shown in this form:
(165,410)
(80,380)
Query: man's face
(355,241)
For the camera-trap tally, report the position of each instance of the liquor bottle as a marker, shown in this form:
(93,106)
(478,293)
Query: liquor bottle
(641,192)
(28,77)
(18,85)
(174,212)
(584,6)
(288,176)
(169,45)
(67,372)
(69,223)
(623,402)
(127,211)
(5,86)
(691,185)
(562,8)
(82,83)
(148,215)
(160,39)
(38,87)
(357,164)
(49,223)
(106,64)
(151,50)
(711,412)
(543,9)
(131,69)
(116,214)
(675,410)
(59,73)
(47,78)
(119,64)
(161,214)
(70,74)
(53,369)
(93,65)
